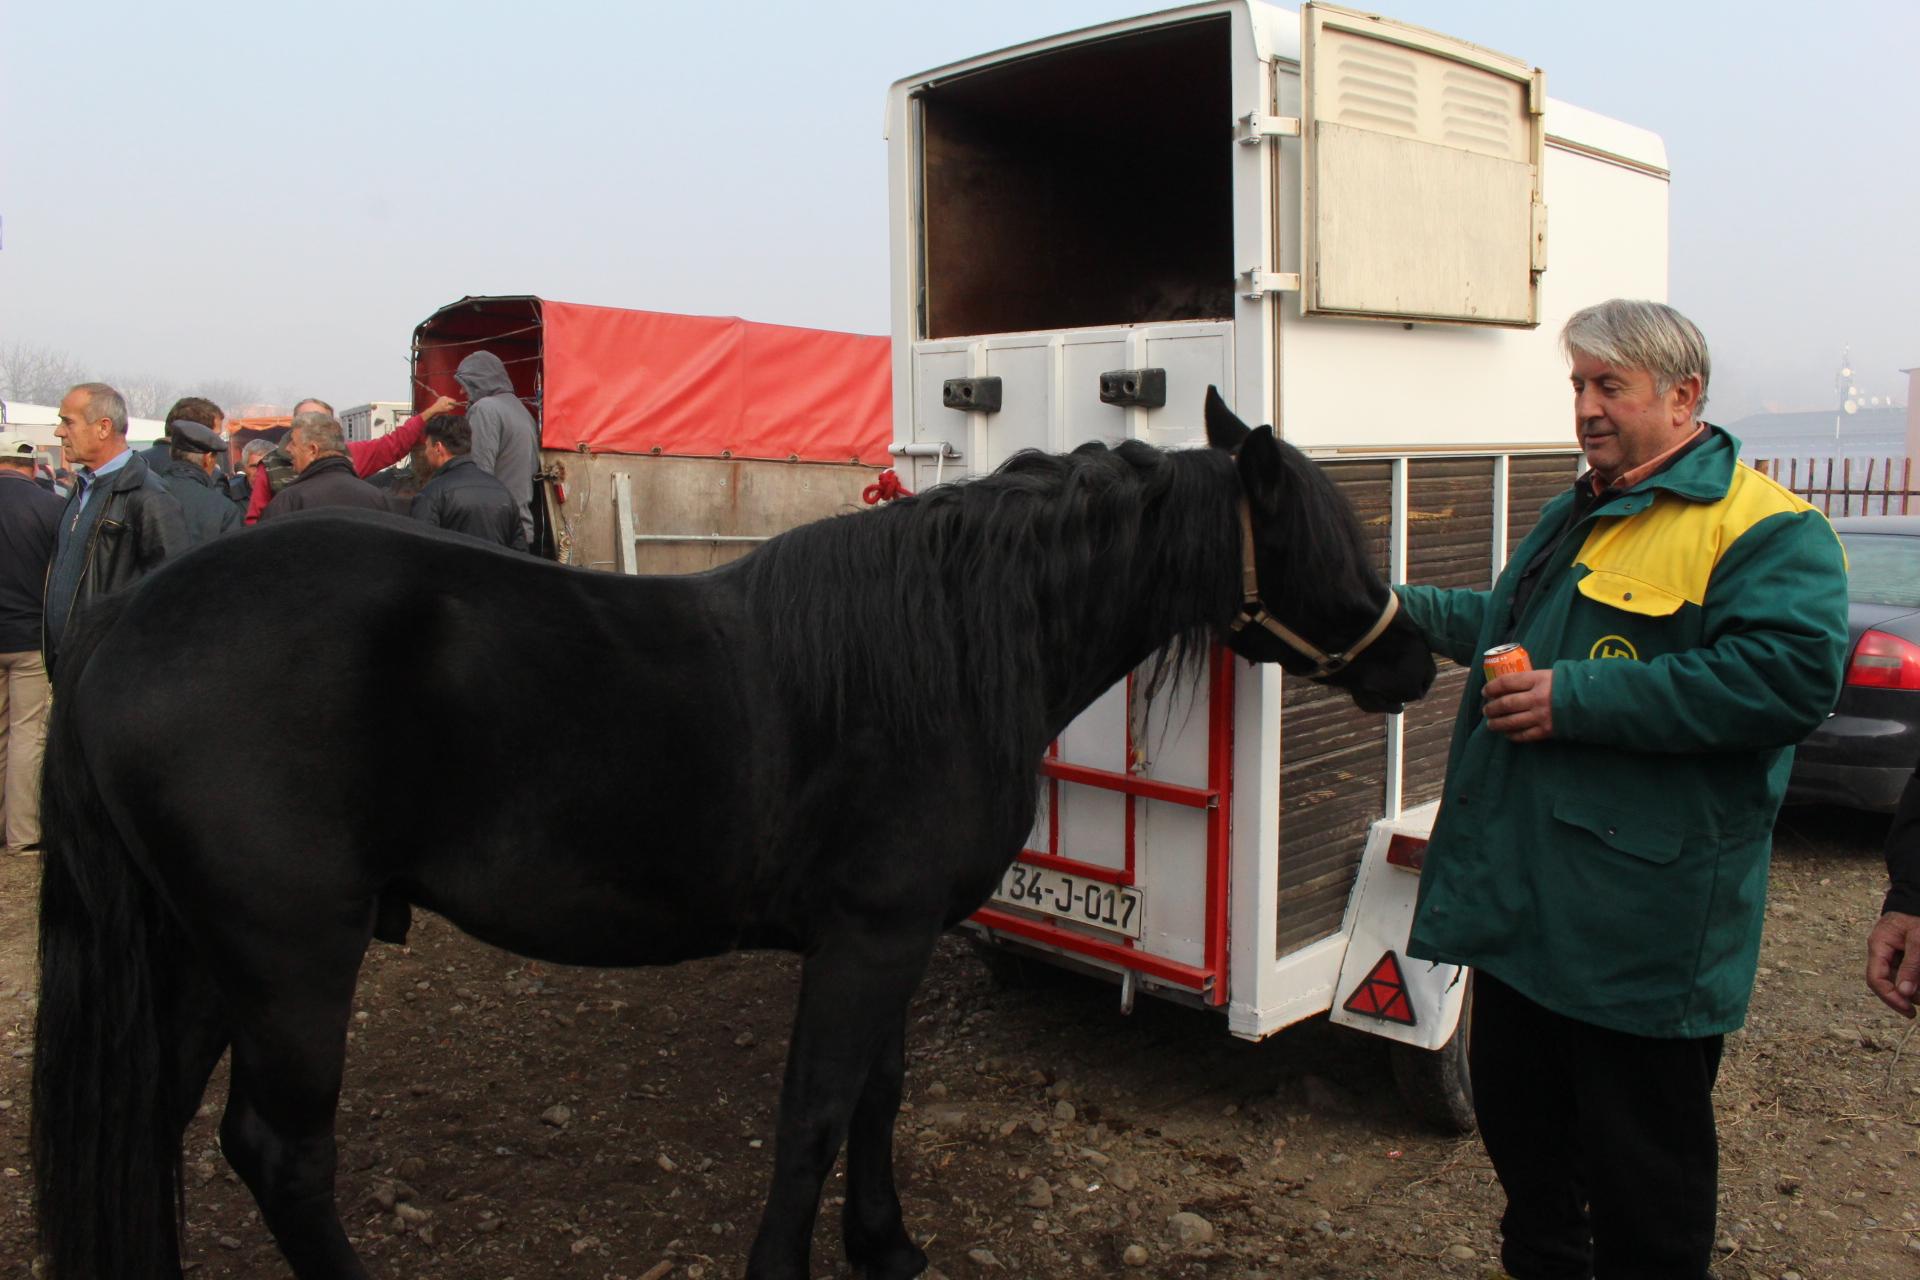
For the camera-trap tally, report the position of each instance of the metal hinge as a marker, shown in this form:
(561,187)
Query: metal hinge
(1252,129)
(1257,284)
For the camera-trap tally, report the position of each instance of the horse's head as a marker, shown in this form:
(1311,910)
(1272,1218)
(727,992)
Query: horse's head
(1312,601)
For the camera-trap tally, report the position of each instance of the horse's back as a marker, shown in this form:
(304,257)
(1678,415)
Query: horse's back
(517,743)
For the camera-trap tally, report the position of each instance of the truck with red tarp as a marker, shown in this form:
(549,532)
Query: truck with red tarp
(672,443)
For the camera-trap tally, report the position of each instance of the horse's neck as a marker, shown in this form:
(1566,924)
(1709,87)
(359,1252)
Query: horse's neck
(1137,596)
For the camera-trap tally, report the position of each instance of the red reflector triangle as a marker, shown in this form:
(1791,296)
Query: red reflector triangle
(1383,993)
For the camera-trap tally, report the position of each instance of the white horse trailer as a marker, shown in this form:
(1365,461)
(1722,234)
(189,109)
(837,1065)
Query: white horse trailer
(1343,223)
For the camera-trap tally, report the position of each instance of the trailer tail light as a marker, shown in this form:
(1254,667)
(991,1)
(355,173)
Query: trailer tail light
(1882,661)
(1409,853)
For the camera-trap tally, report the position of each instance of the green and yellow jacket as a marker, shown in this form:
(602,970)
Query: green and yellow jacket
(1616,872)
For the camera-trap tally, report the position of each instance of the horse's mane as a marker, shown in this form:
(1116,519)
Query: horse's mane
(976,591)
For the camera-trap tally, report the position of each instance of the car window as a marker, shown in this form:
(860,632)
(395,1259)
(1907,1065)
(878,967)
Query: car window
(1883,568)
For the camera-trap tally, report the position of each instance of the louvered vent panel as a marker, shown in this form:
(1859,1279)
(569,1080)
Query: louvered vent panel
(1332,758)
(1378,87)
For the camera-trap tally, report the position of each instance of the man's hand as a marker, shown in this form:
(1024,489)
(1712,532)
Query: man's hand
(1520,705)
(1893,961)
(445,404)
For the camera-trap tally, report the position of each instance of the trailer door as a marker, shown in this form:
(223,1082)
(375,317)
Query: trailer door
(1421,156)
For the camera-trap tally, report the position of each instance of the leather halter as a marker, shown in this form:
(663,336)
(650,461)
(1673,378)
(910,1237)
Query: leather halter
(1251,609)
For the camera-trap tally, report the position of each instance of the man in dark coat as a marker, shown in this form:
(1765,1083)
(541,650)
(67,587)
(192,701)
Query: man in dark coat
(193,454)
(120,523)
(505,442)
(192,409)
(461,496)
(323,473)
(29,521)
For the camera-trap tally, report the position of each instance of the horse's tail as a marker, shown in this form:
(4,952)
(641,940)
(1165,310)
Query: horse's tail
(106,1146)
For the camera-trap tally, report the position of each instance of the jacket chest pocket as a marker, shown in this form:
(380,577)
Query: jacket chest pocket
(1635,618)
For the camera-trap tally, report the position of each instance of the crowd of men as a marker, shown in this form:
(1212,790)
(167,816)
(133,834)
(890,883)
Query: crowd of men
(125,512)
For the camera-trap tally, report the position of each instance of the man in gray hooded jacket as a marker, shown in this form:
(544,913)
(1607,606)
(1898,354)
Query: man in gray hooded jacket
(504,439)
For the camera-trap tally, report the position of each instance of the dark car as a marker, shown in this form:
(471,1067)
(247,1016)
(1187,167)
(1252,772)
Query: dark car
(1863,755)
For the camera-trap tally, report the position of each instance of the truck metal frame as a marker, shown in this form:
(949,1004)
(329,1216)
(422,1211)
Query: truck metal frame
(1340,221)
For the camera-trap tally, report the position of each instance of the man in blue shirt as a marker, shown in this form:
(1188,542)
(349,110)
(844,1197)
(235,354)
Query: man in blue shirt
(120,523)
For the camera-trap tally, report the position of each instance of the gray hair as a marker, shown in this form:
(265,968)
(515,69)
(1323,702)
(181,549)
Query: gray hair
(1636,334)
(104,402)
(255,450)
(311,400)
(320,431)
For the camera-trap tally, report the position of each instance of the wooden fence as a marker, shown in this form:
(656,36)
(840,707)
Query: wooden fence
(1849,486)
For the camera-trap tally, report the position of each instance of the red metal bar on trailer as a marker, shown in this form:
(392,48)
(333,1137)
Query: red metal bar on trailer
(1215,799)
(1203,980)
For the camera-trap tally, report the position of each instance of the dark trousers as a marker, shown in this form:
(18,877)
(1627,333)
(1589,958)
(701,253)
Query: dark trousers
(1603,1141)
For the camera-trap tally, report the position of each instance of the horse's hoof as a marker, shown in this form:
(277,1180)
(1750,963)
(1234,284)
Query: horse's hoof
(902,1260)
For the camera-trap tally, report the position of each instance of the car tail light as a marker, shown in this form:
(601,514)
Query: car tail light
(1409,852)
(1881,661)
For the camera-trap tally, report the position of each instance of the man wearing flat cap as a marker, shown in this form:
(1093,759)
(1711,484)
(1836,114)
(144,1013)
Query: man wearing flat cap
(193,455)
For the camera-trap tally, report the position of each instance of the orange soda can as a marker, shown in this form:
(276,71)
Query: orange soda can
(1504,660)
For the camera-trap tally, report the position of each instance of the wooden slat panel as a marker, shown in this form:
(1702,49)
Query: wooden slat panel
(1332,758)
(1428,728)
(1369,487)
(1532,482)
(1449,544)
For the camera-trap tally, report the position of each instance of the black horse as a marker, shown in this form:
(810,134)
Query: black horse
(616,771)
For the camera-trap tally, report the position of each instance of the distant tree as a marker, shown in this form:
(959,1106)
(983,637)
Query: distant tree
(36,374)
(146,395)
(233,395)
(41,375)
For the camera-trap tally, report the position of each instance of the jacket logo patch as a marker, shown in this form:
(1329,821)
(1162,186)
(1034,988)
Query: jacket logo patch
(1613,647)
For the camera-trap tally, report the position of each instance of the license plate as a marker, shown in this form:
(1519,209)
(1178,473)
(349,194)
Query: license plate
(1070,897)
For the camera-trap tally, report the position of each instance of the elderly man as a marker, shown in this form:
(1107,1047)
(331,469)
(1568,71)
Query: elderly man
(1600,855)
(323,473)
(29,521)
(461,496)
(367,456)
(119,524)
(193,455)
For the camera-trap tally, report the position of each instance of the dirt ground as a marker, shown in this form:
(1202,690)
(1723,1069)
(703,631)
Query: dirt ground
(511,1121)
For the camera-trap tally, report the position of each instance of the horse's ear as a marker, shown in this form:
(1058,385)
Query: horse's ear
(1224,430)
(1262,471)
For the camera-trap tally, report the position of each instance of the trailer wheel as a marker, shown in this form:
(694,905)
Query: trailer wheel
(1434,1083)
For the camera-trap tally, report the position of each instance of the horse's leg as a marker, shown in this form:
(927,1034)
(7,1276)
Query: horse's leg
(289,1052)
(875,1236)
(853,998)
(197,1026)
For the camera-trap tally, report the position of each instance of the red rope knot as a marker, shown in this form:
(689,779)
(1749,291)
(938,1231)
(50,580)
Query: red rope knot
(885,489)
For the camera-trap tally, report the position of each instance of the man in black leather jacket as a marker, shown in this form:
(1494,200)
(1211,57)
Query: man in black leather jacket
(461,496)
(120,523)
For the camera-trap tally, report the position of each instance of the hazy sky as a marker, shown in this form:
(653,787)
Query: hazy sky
(278,193)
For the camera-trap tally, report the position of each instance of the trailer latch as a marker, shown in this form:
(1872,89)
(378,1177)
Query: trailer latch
(971,395)
(1134,388)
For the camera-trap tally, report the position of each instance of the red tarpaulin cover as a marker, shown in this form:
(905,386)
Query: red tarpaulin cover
(619,381)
